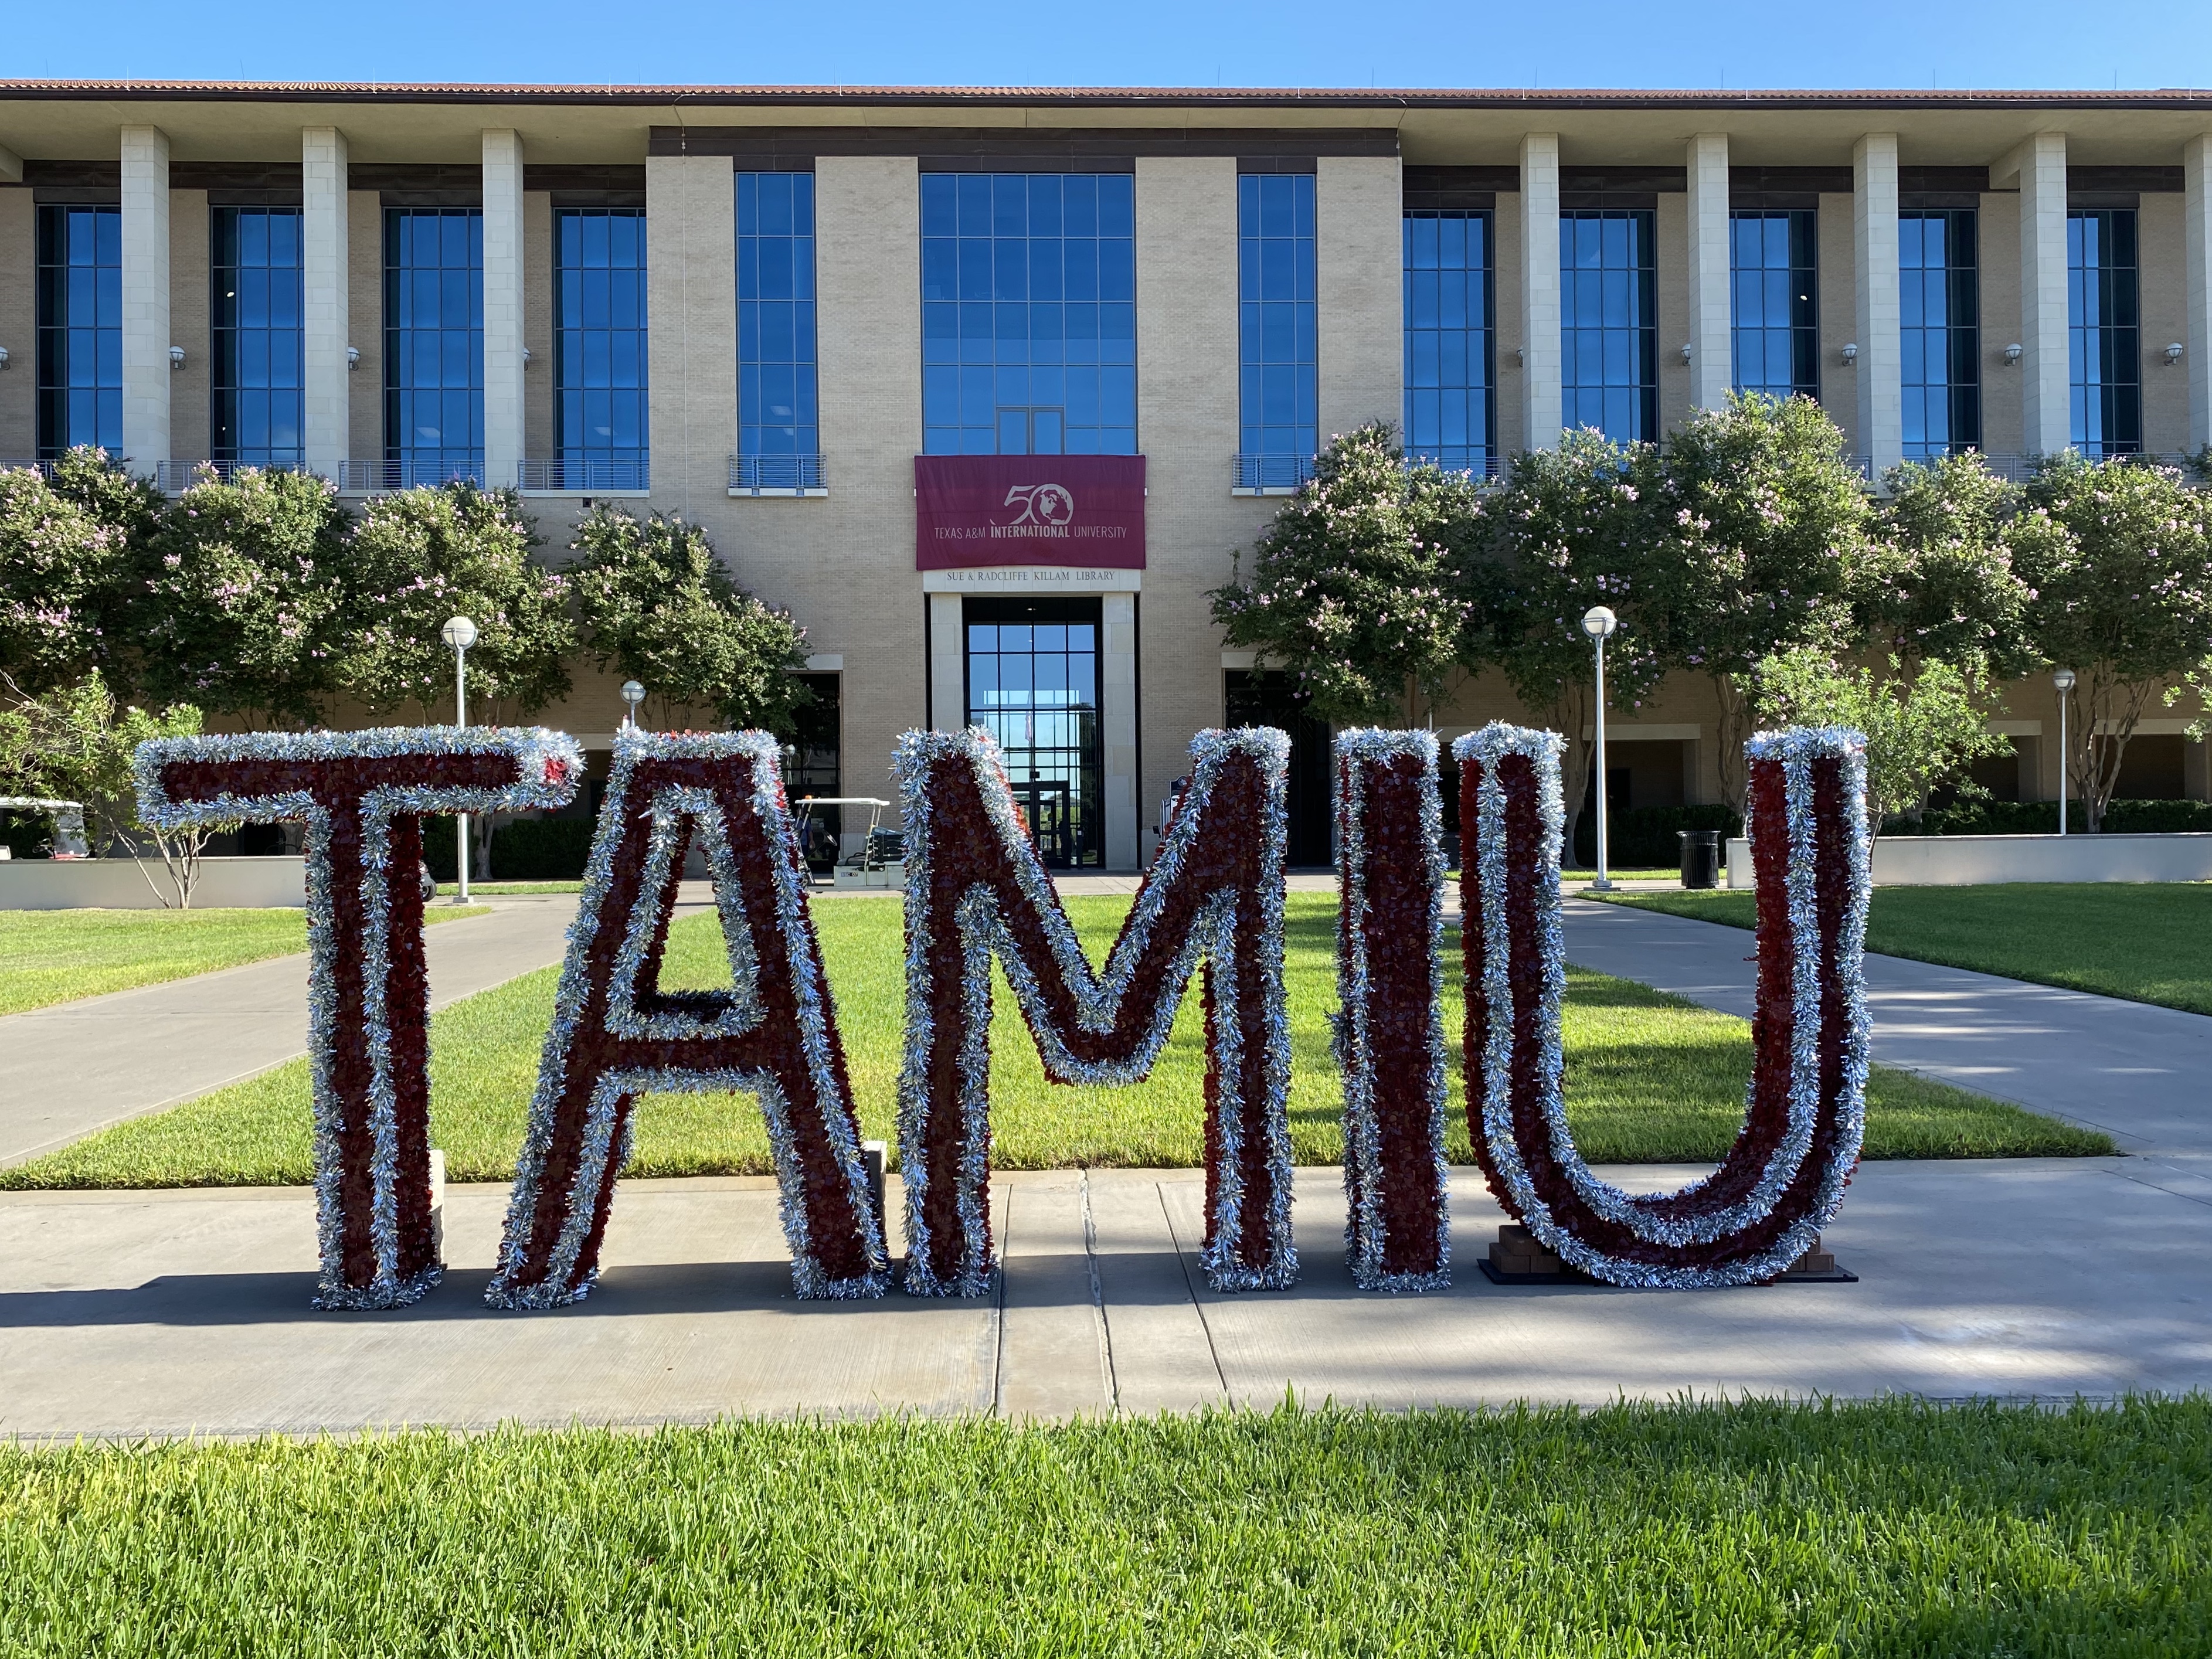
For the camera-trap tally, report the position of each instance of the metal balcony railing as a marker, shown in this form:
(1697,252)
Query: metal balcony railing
(375,477)
(175,477)
(1482,463)
(44,469)
(1272,473)
(777,475)
(586,476)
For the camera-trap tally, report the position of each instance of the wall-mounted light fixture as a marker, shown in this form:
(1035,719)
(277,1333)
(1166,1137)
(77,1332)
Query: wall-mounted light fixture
(2173,354)
(1851,356)
(353,358)
(3,356)
(1685,354)
(1520,354)
(176,357)
(2012,353)
(525,356)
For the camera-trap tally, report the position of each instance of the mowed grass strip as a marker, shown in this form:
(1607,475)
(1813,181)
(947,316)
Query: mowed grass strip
(1722,1531)
(57,955)
(1648,1079)
(2141,941)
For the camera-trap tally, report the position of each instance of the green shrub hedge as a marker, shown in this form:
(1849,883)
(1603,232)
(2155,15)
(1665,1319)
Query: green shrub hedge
(1642,837)
(2040,817)
(523,849)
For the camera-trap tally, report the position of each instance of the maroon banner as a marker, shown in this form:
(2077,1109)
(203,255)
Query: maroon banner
(971,510)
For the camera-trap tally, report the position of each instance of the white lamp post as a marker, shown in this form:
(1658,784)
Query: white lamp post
(460,633)
(633,694)
(1599,622)
(2063,679)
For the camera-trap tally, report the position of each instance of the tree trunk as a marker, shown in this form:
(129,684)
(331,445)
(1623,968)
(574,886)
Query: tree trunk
(1732,730)
(2098,753)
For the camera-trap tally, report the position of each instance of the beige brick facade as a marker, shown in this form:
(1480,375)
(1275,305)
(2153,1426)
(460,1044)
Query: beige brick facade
(843,561)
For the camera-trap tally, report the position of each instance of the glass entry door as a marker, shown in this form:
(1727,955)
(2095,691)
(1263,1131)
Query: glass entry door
(1033,684)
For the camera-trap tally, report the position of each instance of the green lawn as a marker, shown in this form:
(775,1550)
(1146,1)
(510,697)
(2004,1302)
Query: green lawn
(1650,1079)
(2147,942)
(1737,1531)
(57,955)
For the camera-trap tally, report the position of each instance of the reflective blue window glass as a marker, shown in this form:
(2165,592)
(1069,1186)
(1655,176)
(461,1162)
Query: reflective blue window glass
(1033,684)
(1609,323)
(777,414)
(1028,313)
(599,334)
(1939,316)
(1774,310)
(80,371)
(2104,331)
(1449,321)
(433,412)
(1279,390)
(256,387)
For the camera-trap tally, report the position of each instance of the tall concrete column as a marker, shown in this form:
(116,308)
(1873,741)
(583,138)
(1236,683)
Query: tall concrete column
(2197,180)
(2046,412)
(1117,720)
(326,300)
(503,307)
(1874,245)
(145,297)
(1540,400)
(1713,357)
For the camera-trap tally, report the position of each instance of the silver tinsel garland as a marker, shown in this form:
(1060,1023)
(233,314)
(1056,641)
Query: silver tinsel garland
(756,757)
(1675,1220)
(1360,753)
(547,768)
(1098,998)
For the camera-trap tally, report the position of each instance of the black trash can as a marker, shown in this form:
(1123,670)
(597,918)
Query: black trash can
(1701,857)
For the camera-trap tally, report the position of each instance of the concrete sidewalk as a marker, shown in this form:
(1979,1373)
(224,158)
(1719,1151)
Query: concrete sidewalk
(182,1312)
(78,1066)
(2137,1072)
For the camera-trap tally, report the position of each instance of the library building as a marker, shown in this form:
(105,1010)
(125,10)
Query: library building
(988,387)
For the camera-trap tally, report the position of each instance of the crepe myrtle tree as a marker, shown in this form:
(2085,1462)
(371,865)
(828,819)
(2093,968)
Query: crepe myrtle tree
(1939,584)
(1922,729)
(1351,589)
(1567,529)
(419,556)
(2117,557)
(76,743)
(1761,540)
(657,607)
(240,607)
(64,575)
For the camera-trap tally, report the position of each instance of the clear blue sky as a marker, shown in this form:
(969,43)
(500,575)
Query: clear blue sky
(1418,43)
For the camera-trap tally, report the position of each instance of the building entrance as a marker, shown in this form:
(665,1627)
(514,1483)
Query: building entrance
(1032,681)
(1272,698)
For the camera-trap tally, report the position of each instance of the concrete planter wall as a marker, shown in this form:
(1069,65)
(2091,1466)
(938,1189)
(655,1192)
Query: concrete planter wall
(252,883)
(1969,860)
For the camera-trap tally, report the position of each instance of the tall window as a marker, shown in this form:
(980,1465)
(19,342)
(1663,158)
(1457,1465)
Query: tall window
(599,347)
(1033,684)
(80,329)
(1609,323)
(1939,299)
(779,424)
(1775,321)
(1028,313)
(2104,355)
(256,400)
(1277,331)
(1448,338)
(433,413)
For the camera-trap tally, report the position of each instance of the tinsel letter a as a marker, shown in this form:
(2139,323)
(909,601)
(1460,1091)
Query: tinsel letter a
(363,795)
(615,1035)
(975,889)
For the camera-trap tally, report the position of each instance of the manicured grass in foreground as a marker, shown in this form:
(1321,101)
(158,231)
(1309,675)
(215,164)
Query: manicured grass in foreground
(1648,1079)
(2145,942)
(1708,1532)
(57,955)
